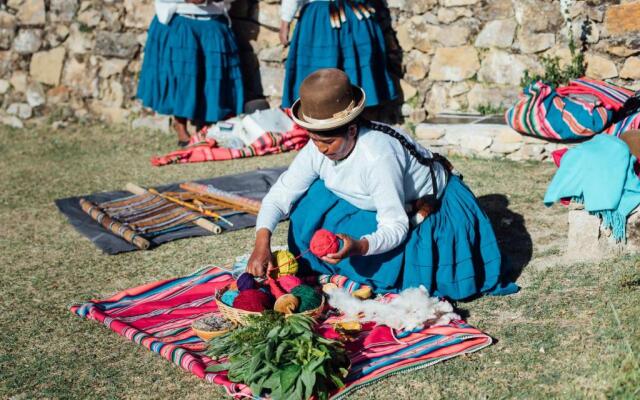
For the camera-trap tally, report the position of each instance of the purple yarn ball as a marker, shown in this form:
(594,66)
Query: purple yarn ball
(246,282)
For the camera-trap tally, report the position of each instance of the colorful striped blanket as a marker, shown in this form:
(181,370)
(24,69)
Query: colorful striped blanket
(201,149)
(158,316)
(579,110)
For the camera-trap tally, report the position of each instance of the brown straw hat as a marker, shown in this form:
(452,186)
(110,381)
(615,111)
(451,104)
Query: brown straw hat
(632,139)
(327,101)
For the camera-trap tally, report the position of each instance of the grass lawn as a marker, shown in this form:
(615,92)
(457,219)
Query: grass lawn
(572,332)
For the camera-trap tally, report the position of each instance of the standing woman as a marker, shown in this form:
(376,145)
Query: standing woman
(191,67)
(343,34)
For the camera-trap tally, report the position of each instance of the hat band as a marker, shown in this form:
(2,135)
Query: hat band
(335,118)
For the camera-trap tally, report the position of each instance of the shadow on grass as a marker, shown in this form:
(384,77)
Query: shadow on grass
(514,240)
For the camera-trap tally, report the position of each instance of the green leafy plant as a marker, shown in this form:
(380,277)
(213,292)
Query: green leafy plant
(281,356)
(491,109)
(554,75)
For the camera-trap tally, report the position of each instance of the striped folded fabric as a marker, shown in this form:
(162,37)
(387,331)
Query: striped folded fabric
(158,316)
(581,109)
(201,149)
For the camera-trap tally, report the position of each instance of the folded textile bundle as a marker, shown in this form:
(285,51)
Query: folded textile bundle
(202,149)
(599,173)
(579,110)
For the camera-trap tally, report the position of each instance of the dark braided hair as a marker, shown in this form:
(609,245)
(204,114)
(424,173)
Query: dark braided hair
(413,150)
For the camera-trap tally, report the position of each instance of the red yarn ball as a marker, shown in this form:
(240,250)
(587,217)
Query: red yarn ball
(324,242)
(275,288)
(288,282)
(253,300)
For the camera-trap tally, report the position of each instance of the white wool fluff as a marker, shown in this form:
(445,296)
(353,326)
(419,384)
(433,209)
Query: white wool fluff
(411,309)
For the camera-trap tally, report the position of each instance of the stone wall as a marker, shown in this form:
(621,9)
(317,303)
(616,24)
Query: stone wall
(484,141)
(67,59)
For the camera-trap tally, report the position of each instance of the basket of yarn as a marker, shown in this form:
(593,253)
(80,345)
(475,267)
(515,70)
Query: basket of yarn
(288,296)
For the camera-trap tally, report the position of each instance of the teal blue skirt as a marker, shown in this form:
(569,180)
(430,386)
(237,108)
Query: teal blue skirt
(357,48)
(453,252)
(191,69)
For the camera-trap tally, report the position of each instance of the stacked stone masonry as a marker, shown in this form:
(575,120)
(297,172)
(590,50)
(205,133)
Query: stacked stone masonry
(77,59)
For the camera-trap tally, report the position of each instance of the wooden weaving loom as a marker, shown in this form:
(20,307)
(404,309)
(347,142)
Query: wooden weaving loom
(148,213)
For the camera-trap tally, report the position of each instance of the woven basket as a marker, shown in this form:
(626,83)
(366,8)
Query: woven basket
(240,316)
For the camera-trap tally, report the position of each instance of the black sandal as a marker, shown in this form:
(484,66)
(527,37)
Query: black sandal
(183,143)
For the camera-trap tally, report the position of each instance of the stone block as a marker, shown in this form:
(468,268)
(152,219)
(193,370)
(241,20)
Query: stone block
(600,67)
(31,12)
(498,33)
(19,81)
(35,94)
(505,148)
(454,64)
(448,15)
(631,68)
(46,66)
(59,94)
(267,15)
(538,15)
(138,13)
(535,42)
(430,132)
(20,110)
(62,10)
(12,121)
(587,241)
(504,68)
(272,79)
(457,3)
(120,45)
(28,41)
(4,86)
(79,42)
(622,19)
(407,90)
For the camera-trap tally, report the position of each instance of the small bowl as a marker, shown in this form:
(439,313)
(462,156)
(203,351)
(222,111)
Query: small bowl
(208,335)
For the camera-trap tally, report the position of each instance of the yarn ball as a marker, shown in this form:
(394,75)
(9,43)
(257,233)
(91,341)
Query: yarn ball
(253,300)
(229,296)
(286,263)
(329,287)
(309,298)
(324,242)
(246,281)
(363,293)
(288,282)
(286,304)
(276,290)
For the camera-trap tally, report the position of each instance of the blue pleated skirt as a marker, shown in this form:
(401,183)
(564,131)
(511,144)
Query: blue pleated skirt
(191,69)
(453,252)
(358,48)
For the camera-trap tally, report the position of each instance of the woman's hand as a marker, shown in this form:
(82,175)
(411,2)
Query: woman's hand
(350,247)
(284,33)
(261,260)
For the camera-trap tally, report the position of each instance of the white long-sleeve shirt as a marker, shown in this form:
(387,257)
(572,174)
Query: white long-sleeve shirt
(379,175)
(165,9)
(289,8)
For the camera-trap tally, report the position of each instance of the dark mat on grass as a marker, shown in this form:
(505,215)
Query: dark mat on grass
(254,184)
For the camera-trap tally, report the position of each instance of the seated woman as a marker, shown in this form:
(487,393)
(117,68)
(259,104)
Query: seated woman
(358,179)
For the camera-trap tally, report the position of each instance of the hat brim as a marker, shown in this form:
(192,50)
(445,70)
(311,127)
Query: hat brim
(331,123)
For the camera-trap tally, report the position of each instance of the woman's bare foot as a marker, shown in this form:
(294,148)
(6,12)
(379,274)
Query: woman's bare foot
(180,126)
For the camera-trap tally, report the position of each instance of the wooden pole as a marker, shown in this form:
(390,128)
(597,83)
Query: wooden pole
(231,200)
(117,228)
(201,222)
